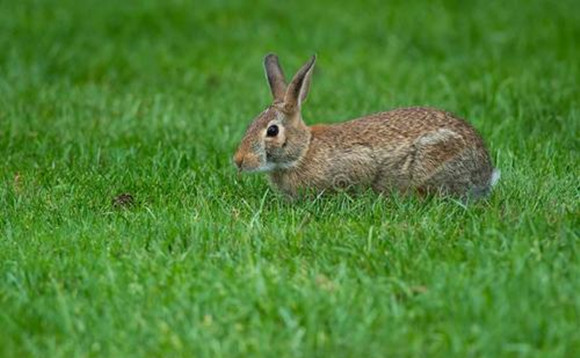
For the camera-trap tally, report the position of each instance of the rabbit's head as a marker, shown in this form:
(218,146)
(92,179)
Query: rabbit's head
(278,137)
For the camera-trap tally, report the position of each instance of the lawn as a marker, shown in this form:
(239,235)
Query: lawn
(150,98)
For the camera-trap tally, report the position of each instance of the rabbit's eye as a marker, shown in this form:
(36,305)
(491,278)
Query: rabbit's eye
(272,131)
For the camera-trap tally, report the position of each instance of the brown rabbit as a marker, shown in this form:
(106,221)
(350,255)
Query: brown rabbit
(417,149)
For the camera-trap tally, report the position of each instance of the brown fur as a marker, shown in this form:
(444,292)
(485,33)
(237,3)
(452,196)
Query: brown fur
(425,150)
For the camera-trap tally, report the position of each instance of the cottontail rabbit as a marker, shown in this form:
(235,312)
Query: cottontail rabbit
(419,149)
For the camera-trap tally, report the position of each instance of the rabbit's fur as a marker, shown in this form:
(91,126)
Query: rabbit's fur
(422,150)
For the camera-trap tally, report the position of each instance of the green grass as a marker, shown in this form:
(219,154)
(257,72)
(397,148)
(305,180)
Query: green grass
(99,98)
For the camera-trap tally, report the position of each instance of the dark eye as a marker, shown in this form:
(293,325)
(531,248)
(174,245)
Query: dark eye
(272,131)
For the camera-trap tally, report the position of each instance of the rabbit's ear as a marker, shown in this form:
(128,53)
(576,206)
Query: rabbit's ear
(298,88)
(275,76)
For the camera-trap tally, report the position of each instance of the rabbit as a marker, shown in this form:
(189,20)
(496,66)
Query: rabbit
(407,150)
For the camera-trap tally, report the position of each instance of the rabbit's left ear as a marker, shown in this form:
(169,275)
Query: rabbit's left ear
(298,88)
(275,76)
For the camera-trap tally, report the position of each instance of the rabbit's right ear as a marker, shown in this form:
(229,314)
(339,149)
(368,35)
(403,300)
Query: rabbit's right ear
(275,76)
(299,86)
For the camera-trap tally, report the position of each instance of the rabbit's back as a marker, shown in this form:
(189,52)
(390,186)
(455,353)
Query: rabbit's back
(409,148)
(408,124)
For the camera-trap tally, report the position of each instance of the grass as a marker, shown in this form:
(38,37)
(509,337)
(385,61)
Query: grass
(99,98)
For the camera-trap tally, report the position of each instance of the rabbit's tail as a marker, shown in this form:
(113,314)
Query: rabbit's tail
(480,192)
(495,175)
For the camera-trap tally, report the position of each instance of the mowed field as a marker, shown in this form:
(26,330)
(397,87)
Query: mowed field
(150,98)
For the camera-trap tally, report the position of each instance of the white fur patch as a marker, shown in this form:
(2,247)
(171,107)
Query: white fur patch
(495,175)
(268,167)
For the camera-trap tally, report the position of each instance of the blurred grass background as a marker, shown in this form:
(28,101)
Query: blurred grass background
(98,98)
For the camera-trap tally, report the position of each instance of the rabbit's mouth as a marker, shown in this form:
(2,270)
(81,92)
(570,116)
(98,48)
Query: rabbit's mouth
(255,163)
(252,164)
